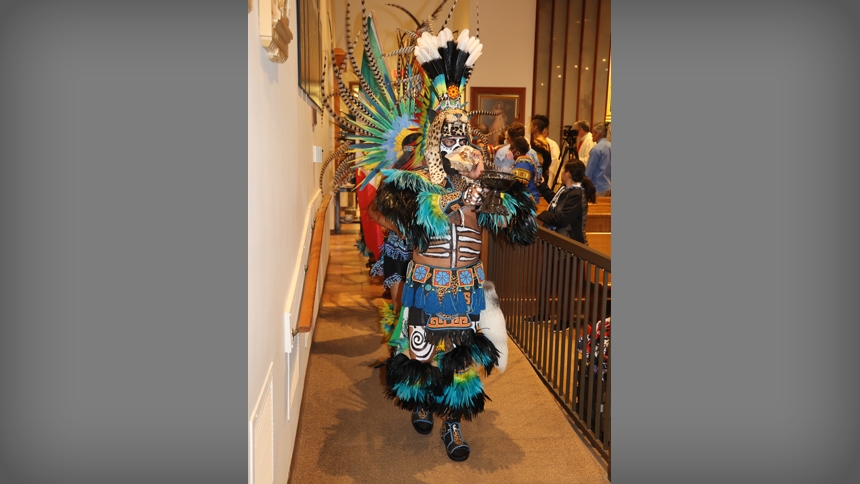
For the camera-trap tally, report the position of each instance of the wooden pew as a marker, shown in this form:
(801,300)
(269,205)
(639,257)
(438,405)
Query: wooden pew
(600,241)
(602,206)
(599,215)
(598,222)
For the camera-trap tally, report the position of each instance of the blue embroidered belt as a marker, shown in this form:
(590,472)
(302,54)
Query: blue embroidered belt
(445,291)
(438,277)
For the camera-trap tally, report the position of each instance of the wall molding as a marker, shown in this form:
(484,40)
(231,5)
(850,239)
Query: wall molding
(275,32)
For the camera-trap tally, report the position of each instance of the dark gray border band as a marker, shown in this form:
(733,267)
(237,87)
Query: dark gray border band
(123,352)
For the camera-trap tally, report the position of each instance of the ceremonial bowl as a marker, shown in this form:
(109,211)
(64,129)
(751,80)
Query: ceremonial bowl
(496,182)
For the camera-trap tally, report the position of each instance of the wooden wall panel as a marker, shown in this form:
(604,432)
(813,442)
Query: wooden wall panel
(571,62)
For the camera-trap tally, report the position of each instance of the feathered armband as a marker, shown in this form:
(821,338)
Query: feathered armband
(518,227)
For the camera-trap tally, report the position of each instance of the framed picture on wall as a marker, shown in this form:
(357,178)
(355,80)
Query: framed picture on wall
(310,49)
(507,100)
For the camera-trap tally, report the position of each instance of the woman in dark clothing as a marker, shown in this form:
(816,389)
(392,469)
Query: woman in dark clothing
(568,208)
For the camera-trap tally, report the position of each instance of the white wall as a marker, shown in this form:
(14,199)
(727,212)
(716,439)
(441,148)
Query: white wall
(507,30)
(283,187)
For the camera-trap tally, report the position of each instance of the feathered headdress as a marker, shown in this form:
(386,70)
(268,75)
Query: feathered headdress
(448,65)
(399,122)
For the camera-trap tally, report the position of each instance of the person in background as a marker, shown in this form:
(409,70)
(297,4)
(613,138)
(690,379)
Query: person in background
(599,168)
(568,207)
(504,160)
(584,140)
(395,255)
(525,170)
(550,161)
(500,141)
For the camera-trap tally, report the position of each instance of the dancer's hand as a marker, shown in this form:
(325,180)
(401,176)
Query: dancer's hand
(474,195)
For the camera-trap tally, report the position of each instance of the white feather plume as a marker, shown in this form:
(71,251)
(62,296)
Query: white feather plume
(444,36)
(474,55)
(463,40)
(493,324)
(427,49)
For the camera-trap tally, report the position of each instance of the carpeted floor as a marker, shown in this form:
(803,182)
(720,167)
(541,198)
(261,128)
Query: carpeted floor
(350,433)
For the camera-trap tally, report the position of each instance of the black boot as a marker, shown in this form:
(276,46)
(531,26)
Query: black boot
(455,446)
(422,420)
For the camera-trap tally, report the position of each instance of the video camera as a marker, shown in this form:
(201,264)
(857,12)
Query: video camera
(569,134)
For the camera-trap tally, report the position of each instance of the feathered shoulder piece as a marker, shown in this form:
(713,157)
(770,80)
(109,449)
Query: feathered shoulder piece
(518,227)
(411,202)
(416,181)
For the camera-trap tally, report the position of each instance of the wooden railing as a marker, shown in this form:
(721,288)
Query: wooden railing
(309,288)
(551,293)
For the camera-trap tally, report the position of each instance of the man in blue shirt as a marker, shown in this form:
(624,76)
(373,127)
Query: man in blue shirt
(504,160)
(599,168)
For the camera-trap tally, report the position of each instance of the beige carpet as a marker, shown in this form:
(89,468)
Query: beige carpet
(350,433)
